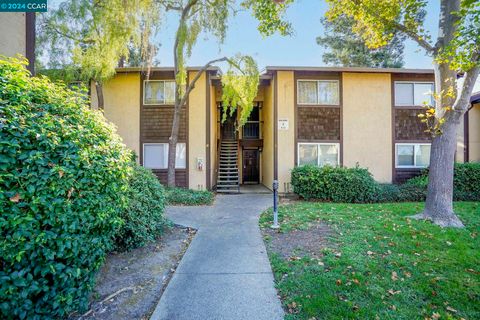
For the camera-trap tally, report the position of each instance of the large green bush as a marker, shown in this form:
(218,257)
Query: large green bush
(143,220)
(63,178)
(336,184)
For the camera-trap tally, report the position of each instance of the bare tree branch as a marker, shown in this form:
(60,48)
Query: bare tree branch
(192,83)
(462,102)
(415,37)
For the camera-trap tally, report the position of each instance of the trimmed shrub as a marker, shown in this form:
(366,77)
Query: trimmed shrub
(188,197)
(336,184)
(143,220)
(466,182)
(387,193)
(63,179)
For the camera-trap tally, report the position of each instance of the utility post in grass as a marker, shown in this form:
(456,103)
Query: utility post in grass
(275,224)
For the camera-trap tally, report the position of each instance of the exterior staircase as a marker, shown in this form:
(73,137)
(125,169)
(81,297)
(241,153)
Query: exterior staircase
(228,180)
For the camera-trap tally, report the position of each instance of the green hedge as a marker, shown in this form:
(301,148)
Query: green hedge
(143,220)
(63,181)
(188,197)
(466,181)
(336,184)
(357,185)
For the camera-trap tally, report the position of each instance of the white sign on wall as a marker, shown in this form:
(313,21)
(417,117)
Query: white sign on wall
(282,124)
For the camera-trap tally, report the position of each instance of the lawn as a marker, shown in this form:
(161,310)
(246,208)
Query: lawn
(379,264)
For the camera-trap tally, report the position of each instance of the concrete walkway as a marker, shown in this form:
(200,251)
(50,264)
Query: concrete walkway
(225,273)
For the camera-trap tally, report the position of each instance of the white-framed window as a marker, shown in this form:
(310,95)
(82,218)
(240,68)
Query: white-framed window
(155,155)
(412,155)
(158,92)
(413,93)
(318,154)
(318,92)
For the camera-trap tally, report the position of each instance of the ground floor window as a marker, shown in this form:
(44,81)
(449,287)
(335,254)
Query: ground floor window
(412,155)
(319,154)
(155,155)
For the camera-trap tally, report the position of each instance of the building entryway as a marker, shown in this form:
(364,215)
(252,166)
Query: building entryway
(251,172)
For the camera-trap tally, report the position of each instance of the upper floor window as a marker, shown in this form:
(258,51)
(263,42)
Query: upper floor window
(412,155)
(157,92)
(318,92)
(413,93)
(319,154)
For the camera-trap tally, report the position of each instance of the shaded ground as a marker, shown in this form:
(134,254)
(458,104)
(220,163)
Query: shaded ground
(298,242)
(130,284)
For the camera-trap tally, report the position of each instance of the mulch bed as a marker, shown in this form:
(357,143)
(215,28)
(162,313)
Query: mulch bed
(130,284)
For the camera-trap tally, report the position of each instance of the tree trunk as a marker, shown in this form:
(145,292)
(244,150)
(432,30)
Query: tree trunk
(99,89)
(439,203)
(172,146)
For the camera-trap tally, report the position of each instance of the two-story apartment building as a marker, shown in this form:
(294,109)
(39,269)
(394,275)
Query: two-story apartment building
(302,115)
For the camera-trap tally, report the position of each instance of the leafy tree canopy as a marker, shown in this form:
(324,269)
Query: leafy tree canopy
(347,48)
(91,36)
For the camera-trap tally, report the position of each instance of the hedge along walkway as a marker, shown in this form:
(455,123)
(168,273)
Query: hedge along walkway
(225,273)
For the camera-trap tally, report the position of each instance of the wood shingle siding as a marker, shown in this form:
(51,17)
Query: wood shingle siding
(180,176)
(408,126)
(318,123)
(157,124)
(156,127)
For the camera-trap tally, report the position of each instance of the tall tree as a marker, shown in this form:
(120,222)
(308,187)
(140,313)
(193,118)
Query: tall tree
(87,38)
(347,48)
(241,82)
(456,56)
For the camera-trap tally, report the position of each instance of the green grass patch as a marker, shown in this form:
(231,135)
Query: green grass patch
(188,197)
(381,264)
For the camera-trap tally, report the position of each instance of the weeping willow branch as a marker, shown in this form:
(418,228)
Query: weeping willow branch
(240,87)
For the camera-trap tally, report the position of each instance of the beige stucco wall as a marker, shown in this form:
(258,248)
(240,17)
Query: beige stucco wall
(367,121)
(197,137)
(13,33)
(460,154)
(474,133)
(266,156)
(213,136)
(122,107)
(286,138)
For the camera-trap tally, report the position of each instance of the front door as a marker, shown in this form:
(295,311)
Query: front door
(250,166)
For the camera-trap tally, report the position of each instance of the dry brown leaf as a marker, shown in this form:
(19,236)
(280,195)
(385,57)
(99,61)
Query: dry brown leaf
(436,315)
(60,173)
(16,198)
(451,309)
(394,276)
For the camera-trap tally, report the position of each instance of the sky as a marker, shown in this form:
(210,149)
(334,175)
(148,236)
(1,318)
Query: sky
(299,49)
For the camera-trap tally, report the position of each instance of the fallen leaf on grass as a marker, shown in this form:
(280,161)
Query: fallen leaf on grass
(369,252)
(436,315)
(338,282)
(451,309)
(394,276)
(393,292)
